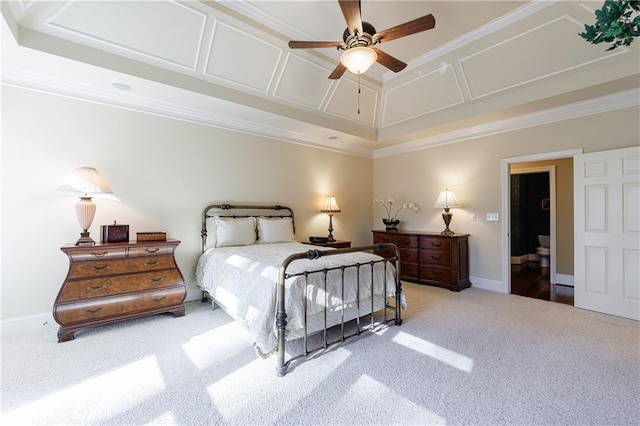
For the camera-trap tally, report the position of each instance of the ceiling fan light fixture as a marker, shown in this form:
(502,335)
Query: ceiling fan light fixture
(358,59)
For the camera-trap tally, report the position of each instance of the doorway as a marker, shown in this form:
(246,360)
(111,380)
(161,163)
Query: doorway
(566,229)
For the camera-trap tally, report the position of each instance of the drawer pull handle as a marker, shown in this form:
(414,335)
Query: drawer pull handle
(436,257)
(159,299)
(155,250)
(156,280)
(99,268)
(433,243)
(93,311)
(103,254)
(151,263)
(100,287)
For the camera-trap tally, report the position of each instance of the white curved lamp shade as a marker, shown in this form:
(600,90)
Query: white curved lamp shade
(85,181)
(358,59)
(330,205)
(446,199)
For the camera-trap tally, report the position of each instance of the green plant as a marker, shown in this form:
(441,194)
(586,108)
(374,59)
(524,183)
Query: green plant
(615,24)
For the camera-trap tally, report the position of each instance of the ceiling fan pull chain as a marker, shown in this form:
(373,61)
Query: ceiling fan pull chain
(358,94)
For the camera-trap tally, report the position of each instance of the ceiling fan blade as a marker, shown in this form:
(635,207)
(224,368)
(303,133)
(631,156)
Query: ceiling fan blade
(427,22)
(394,64)
(351,12)
(314,44)
(337,73)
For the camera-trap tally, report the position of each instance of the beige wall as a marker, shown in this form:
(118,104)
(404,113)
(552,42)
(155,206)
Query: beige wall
(473,170)
(564,210)
(164,172)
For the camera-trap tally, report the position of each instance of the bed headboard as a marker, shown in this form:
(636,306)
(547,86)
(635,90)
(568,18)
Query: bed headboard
(237,211)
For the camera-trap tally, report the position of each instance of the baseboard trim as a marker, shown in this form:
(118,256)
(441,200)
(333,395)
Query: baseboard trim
(25,324)
(486,284)
(564,279)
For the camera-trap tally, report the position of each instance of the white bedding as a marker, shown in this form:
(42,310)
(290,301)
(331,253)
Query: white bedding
(243,280)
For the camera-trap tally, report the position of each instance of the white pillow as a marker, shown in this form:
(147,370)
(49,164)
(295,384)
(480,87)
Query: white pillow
(210,226)
(235,231)
(275,230)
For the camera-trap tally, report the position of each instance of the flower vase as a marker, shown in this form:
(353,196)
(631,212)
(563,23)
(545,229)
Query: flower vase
(391,224)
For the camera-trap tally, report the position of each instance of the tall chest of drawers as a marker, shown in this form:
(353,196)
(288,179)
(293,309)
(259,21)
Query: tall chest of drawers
(430,258)
(118,281)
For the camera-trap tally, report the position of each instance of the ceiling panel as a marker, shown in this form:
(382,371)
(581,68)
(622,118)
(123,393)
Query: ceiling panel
(354,102)
(242,58)
(303,82)
(532,55)
(173,35)
(426,94)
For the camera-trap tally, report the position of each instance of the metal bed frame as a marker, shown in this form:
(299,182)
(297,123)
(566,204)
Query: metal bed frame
(312,254)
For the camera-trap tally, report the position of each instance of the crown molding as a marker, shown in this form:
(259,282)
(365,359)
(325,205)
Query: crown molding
(45,84)
(626,99)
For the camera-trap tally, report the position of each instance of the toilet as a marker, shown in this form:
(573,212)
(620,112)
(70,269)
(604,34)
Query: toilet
(544,251)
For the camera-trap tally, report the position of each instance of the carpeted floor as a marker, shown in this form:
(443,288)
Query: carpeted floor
(474,357)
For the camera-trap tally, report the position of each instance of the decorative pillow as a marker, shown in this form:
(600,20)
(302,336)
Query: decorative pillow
(275,230)
(210,225)
(235,231)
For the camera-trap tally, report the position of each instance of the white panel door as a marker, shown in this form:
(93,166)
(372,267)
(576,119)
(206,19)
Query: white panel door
(607,232)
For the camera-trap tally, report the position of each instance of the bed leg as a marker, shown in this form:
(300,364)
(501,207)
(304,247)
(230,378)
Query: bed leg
(204,296)
(281,323)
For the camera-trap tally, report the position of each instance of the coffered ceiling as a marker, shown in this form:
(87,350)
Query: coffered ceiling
(486,67)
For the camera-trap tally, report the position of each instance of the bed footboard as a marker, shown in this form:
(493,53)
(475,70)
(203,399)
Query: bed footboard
(281,314)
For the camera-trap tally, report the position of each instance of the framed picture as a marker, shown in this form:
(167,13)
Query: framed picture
(545,204)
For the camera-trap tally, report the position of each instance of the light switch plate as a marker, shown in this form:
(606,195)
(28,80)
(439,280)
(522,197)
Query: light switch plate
(492,217)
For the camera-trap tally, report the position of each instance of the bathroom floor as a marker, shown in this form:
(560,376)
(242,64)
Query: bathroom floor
(530,280)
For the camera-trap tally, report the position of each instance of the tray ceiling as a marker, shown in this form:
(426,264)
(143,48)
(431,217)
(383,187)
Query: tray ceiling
(486,65)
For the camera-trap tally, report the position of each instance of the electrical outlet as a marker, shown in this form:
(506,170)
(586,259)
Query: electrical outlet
(473,217)
(492,217)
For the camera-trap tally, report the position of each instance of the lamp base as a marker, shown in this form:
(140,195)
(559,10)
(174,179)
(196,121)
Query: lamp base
(446,216)
(330,237)
(85,239)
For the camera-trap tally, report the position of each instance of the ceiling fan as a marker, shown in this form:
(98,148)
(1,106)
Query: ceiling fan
(359,38)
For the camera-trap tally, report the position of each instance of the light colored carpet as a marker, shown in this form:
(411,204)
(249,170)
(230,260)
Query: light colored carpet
(474,357)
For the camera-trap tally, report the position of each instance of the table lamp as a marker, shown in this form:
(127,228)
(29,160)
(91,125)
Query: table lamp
(330,207)
(446,200)
(87,182)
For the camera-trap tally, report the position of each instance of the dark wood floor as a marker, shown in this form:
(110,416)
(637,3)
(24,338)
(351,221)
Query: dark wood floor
(530,280)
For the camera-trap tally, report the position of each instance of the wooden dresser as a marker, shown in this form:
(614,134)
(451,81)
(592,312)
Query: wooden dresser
(118,281)
(430,258)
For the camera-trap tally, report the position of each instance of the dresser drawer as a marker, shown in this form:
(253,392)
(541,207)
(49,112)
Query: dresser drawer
(435,243)
(109,286)
(99,309)
(115,267)
(409,271)
(435,273)
(410,256)
(434,257)
(408,241)
(383,238)
(98,253)
(158,250)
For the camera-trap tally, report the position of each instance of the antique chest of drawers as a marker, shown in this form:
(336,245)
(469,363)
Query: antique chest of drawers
(118,281)
(430,258)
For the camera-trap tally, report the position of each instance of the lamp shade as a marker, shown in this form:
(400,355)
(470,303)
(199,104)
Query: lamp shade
(358,59)
(330,205)
(85,180)
(446,199)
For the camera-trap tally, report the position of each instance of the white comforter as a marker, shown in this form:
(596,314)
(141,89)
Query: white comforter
(243,280)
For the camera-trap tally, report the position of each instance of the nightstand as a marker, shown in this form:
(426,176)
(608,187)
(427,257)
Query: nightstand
(112,282)
(334,244)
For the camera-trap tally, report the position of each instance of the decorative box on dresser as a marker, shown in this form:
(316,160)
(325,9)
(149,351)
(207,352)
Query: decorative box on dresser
(430,258)
(112,282)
